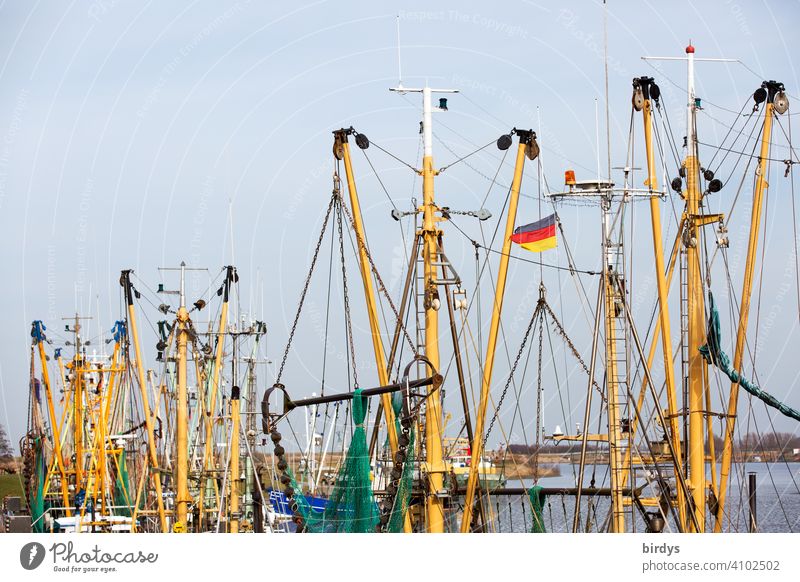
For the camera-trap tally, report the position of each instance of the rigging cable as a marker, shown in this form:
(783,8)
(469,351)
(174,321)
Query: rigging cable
(390,154)
(476,244)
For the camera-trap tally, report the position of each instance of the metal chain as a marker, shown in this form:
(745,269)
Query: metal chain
(381,287)
(536,313)
(306,285)
(539,393)
(400,457)
(348,322)
(286,480)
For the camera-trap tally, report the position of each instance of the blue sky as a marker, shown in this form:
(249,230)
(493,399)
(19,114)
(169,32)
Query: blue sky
(139,134)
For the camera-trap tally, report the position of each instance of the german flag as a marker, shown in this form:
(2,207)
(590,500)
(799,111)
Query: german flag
(537,236)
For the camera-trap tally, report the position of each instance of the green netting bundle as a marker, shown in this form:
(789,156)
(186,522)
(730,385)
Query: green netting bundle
(713,354)
(351,506)
(40,476)
(122,489)
(537,498)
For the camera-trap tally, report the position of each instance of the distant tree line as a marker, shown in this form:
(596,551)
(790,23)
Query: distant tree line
(784,442)
(775,441)
(564,448)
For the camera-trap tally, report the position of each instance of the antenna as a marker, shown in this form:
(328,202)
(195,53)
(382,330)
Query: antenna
(597,136)
(399,61)
(608,115)
(230,226)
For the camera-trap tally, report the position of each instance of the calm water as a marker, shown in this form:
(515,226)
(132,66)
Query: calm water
(778,501)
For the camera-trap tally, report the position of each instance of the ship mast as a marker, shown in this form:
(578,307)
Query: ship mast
(182,416)
(695,303)
(38,334)
(527,139)
(695,306)
(181,470)
(208,413)
(646,93)
(776,101)
(431,235)
(618,329)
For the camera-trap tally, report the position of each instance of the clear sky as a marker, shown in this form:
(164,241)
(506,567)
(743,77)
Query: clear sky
(139,134)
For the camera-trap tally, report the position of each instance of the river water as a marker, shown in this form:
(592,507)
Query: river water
(777,501)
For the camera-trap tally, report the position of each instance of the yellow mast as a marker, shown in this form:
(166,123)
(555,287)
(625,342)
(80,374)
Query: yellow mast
(211,403)
(38,334)
(435,466)
(430,253)
(526,139)
(234,444)
(696,315)
(774,94)
(610,298)
(182,416)
(77,416)
(125,281)
(695,305)
(369,293)
(646,84)
(342,147)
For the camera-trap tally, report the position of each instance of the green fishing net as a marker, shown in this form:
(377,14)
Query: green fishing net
(122,490)
(351,506)
(37,499)
(537,498)
(713,354)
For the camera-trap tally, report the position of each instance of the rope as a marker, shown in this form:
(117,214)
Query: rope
(387,152)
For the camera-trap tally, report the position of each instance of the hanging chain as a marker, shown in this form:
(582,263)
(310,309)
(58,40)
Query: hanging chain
(541,308)
(539,393)
(536,313)
(388,506)
(306,285)
(381,287)
(348,322)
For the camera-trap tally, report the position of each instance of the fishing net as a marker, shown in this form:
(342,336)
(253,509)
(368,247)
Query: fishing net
(404,489)
(537,497)
(37,499)
(122,498)
(713,354)
(351,506)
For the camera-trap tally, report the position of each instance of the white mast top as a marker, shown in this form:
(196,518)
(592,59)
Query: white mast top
(183,284)
(427,110)
(691,132)
(427,129)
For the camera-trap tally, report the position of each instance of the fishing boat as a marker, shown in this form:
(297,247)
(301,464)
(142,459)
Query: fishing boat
(460,458)
(180,448)
(659,469)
